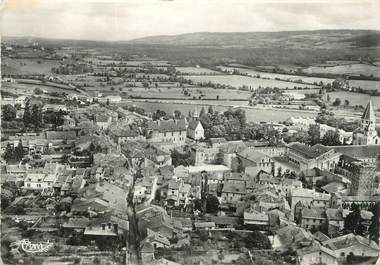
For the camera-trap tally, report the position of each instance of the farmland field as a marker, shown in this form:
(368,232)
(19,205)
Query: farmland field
(355,98)
(129,63)
(307,79)
(176,92)
(365,84)
(194,70)
(10,66)
(29,88)
(253,115)
(251,82)
(353,69)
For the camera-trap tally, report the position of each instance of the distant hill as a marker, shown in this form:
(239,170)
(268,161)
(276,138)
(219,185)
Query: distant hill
(299,48)
(285,39)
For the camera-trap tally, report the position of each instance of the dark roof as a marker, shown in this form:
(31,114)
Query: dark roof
(80,222)
(193,124)
(309,152)
(167,125)
(217,140)
(252,155)
(358,151)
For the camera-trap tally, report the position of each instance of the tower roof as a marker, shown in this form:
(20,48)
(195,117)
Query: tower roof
(368,113)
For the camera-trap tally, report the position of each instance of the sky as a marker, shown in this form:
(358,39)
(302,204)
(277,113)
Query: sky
(112,20)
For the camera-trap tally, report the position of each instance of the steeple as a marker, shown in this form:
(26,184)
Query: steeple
(369,114)
(369,119)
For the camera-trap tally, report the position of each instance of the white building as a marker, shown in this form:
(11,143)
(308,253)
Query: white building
(195,130)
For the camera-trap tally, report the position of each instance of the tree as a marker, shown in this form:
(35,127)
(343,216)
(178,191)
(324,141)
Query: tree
(374,226)
(19,151)
(38,91)
(212,204)
(331,138)
(257,240)
(210,110)
(36,117)
(8,112)
(9,153)
(346,102)
(352,221)
(315,134)
(6,198)
(203,235)
(177,114)
(27,115)
(337,102)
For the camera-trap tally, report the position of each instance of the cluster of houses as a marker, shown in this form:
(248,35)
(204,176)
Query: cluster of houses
(87,164)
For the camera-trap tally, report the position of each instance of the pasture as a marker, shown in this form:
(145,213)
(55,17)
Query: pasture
(195,70)
(253,115)
(349,69)
(251,82)
(293,78)
(177,92)
(354,98)
(10,66)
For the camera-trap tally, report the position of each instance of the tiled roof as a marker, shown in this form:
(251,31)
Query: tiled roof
(348,241)
(315,213)
(358,151)
(309,152)
(167,125)
(193,124)
(252,155)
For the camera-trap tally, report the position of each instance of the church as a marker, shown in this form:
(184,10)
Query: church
(366,134)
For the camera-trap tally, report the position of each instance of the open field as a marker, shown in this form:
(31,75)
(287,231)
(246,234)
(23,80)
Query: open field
(10,66)
(98,61)
(365,84)
(350,69)
(307,79)
(176,92)
(251,82)
(253,115)
(28,89)
(194,70)
(354,98)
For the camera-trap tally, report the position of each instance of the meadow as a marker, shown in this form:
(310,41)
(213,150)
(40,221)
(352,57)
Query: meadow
(11,66)
(176,92)
(253,115)
(251,82)
(365,84)
(350,69)
(253,72)
(354,98)
(195,70)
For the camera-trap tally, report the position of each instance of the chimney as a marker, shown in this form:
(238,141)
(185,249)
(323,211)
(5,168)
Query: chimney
(116,228)
(103,226)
